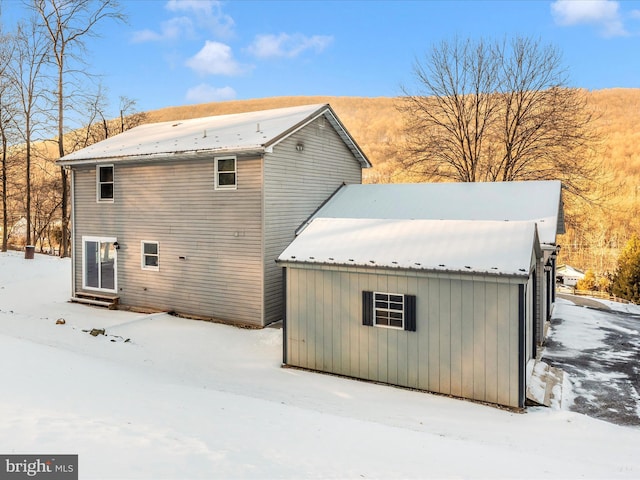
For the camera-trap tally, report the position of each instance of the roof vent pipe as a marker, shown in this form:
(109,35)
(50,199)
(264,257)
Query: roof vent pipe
(258,127)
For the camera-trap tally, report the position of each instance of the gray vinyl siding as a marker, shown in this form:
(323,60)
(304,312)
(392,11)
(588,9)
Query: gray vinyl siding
(295,185)
(218,232)
(465,343)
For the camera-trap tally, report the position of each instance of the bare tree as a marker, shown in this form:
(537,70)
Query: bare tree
(46,199)
(498,111)
(448,123)
(98,126)
(68,23)
(7,113)
(95,125)
(25,73)
(3,174)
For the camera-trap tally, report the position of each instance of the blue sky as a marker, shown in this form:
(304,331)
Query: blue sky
(180,52)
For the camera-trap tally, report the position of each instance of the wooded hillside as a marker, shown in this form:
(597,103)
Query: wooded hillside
(596,232)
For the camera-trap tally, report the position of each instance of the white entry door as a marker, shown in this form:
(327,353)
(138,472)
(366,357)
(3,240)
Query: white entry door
(99,264)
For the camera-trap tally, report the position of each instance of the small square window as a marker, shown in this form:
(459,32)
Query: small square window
(105,183)
(150,255)
(388,310)
(226,173)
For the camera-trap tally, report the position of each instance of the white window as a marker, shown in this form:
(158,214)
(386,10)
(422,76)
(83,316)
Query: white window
(388,310)
(226,173)
(104,180)
(150,255)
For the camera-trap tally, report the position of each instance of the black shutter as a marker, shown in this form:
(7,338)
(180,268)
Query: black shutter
(367,308)
(410,313)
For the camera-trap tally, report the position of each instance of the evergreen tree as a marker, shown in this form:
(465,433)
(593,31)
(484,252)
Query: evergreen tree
(626,281)
(588,282)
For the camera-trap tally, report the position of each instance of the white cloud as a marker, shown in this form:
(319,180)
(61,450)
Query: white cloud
(208,93)
(173,29)
(206,13)
(604,13)
(215,58)
(147,35)
(285,45)
(193,15)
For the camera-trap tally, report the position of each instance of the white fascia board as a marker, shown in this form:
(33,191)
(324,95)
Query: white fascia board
(428,270)
(342,132)
(256,150)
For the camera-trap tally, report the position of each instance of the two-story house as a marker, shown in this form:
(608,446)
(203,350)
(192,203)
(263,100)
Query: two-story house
(189,216)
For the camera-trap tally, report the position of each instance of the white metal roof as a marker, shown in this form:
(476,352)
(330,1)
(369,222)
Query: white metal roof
(538,201)
(568,270)
(488,247)
(241,132)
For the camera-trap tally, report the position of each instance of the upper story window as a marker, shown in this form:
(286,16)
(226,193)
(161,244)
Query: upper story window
(104,177)
(226,173)
(150,255)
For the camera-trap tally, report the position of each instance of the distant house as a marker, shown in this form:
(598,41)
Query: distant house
(190,215)
(441,287)
(568,275)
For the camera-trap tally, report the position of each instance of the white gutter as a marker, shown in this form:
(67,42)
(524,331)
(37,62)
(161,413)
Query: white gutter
(167,156)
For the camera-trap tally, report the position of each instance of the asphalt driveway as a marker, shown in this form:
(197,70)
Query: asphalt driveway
(599,348)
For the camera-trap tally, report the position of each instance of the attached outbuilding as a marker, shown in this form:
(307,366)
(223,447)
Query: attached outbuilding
(532,201)
(446,306)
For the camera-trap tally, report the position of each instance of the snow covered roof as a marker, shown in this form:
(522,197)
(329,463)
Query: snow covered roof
(490,247)
(568,270)
(538,201)
(252,132)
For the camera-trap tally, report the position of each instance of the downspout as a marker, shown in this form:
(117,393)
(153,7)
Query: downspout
(553,280)
(537,315)
(284,315)
(522,345)
(72,218)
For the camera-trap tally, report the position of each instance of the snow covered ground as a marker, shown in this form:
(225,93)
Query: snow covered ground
(184,399)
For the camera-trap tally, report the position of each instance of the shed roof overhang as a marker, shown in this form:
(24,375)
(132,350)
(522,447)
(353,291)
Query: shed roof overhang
(495,248)
(522,274)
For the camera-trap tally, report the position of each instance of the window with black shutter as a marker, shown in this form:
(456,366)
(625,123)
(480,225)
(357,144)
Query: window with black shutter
(389,310)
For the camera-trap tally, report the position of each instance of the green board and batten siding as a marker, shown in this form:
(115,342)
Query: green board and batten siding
(466,342)
(229,238)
